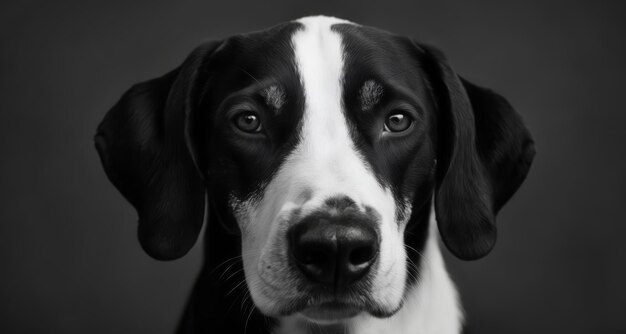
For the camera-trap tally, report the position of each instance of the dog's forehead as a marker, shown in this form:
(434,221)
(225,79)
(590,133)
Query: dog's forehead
(371,59)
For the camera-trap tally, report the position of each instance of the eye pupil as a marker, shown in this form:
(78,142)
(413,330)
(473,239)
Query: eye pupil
(248,122)
(398,122)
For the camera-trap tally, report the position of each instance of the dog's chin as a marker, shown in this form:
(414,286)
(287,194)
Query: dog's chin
(330,313)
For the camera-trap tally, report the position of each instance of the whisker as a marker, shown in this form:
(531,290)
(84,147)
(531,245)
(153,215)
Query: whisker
(245,329)
(248,73)
(246,298)
(243,281)
(233,274)
(242,294)
(226,271)
(224,263)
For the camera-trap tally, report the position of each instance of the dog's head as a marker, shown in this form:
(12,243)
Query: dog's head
(323,144)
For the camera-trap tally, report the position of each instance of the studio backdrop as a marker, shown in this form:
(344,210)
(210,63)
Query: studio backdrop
(70,261)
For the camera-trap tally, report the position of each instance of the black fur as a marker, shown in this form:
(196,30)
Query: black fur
(142,144)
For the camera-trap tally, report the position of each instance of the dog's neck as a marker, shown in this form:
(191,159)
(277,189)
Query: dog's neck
(430,307)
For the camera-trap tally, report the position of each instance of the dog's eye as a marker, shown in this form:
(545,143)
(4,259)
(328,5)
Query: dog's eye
(398,122)
(248,121)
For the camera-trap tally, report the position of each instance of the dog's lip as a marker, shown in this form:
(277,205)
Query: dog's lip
(331,312)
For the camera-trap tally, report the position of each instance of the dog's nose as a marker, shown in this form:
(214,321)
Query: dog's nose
(333,253)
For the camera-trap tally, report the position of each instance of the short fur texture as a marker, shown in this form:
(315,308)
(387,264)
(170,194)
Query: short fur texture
(316,120)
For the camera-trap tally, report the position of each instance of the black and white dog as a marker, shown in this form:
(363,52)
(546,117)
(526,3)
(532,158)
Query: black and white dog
(323,156)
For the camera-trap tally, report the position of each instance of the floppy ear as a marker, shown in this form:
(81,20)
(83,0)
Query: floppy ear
(144,148)
(484,154)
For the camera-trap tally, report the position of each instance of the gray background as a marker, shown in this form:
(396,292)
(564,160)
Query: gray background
(69,259)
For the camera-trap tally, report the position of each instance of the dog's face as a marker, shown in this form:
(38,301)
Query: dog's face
(319,151)
(322,144)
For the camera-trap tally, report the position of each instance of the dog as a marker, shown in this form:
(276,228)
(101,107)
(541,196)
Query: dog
(326,160)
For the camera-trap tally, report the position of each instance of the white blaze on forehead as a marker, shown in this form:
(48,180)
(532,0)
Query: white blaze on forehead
(319,57)
(326,161)
(326,149)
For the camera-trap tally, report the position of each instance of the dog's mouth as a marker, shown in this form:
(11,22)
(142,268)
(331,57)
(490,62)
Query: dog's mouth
(334,310)
(331,312)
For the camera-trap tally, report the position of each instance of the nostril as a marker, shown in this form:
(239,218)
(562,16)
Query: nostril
(362,255)
(313,253)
